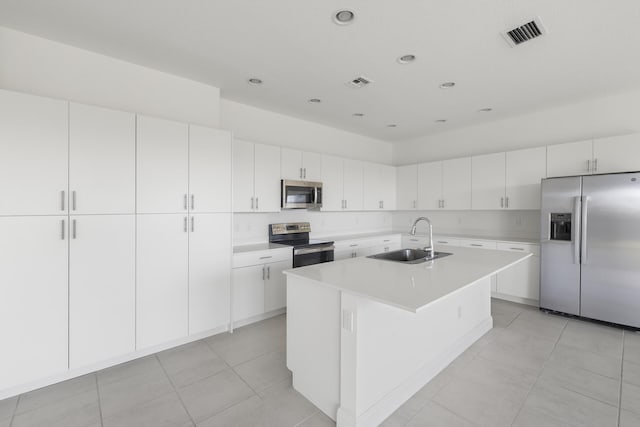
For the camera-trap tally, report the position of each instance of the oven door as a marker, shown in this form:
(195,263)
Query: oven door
(312,255)
(301,195)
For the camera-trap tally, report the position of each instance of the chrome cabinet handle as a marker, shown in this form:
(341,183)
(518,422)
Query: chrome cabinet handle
(354,245)
(193,201)
(506,202)
(517,249)
(589,165)
(257,204)
(595,165)
(193,222)
(268,272)
(185,202)
(264,272)
(476,245)
(265,257)
(74,228)
(502,202)
(62,233)
(252,203)
(185,224)
(300,172)
(345,204)
(73,200)
(62,200)
(305,173)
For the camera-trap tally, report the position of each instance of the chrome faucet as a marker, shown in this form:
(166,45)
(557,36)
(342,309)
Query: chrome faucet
(430,249)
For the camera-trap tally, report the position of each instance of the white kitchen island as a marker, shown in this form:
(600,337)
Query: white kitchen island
(363,335)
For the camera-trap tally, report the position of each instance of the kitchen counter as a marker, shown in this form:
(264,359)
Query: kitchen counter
(507,239)
(258,247)
(355,236)
(410,287)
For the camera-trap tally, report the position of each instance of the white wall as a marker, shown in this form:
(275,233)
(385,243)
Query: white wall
(612,115)
(490,224)
(258,125)
(39,66)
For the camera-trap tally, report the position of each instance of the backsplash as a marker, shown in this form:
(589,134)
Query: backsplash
(522,224)
(252,227)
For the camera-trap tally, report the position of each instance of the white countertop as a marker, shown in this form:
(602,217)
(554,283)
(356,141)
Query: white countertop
(410,287)
(355,236)
(507,239)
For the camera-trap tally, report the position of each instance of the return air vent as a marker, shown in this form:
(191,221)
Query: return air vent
(524,33)
(359,82)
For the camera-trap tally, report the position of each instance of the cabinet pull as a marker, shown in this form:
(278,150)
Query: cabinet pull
(595,164)
(353,246)
(476,245)
(73,200)
(517,249)
(62,200)
(74,228)
(300,172)
(589,165)
(502,202)
(185,202)
(257,208)
(268,272)
(265,257)
(252,203)
(305,173)
(193,224)
(62,233)
(386,240)
(506,202)
(193,201)
(444,242)
(263,272)
(185,224)
(345,203)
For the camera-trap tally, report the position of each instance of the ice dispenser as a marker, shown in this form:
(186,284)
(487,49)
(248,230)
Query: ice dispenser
(560,226)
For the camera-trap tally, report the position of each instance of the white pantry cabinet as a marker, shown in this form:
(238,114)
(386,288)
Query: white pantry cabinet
(407,187)
(456,184)
(33,155)
(574,158)
(102,160)
(256,177)
(162,278)
(430,186)
(525,170)
(162,165)
(301,165)
(34,303)
(209,170)
(209,271)
(102,288)
(488,181)
(379,184)
(342,184)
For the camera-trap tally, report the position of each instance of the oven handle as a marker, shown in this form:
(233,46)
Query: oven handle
(305,251)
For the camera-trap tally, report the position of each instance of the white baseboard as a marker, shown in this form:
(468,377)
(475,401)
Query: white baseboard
(519,300)
(258,318)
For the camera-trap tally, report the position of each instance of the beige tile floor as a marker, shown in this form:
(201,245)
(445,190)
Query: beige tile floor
(532,369)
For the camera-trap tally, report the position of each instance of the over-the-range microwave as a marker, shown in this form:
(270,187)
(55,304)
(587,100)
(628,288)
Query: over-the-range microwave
(301,195)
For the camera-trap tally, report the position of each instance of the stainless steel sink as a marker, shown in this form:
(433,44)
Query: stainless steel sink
(409,256)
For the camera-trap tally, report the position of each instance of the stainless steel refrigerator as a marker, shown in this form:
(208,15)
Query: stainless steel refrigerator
(590,247)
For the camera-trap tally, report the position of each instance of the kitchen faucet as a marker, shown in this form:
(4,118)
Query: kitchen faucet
(430,249)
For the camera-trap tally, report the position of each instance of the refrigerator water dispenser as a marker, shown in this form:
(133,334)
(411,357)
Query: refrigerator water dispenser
(560,226)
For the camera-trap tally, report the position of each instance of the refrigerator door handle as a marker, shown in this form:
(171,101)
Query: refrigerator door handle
(575,228)
(583,228)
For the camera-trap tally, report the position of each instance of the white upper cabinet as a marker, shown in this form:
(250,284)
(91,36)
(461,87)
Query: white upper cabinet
(488,181)
(430,186)
(616,154)
(574,158)
(407,187)
(379,182)
(209,170)
(301,165)
(256,177)
(332,183)
(102,161)
(456,184)
(524,171)
(353,185)
(162,166)
(33,155)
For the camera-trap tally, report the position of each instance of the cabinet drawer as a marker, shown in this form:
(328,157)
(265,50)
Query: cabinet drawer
(262,257)
(519,247)
(394,239)
(447,241)
(480,244)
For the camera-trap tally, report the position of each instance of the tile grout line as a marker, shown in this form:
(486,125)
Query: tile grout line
(99,401)
(15,409)
(307,418)
(175,390)
(234,371)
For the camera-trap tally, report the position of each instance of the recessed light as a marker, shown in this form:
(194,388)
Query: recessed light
(315,100)
(485,110)
(447,85)
(358,114)
(254,81)
(392,126)
(405,59)
(344,17)
(441,121)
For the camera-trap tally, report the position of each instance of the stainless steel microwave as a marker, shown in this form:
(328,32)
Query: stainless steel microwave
(301,195)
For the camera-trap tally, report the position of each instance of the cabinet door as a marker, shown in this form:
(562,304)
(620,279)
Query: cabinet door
(488,181)
(243,196)
(574,158)
(34,302)
(267,178)
(372,186)
(407,187)
(312,166)
(102,160)
(209,271)
(102,290)
(161,275)
(525,170)
(521,280)
(429,186)
(291,164)
(456,184)
(388,187)
(332,183)
(33,155)
(248,291)
(617,154)
(275,287)
(353,185)
(163,165)
(209,170)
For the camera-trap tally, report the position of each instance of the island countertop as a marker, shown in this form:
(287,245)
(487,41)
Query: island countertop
(410,286)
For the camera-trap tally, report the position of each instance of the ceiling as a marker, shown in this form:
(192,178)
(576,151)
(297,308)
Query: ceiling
(300,53)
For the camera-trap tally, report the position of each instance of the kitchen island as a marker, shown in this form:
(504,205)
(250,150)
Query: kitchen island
(363,335)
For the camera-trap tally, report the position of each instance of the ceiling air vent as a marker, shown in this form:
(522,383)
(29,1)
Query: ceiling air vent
(525,32)
(359,82)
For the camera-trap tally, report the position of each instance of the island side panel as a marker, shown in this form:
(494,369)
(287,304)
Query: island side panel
(392,353)
(313,342)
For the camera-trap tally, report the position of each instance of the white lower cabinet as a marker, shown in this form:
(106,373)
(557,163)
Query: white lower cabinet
(162,284)
(101,288)
(275,286)
(523,279)
(248,291)
(209,271)
(34,298)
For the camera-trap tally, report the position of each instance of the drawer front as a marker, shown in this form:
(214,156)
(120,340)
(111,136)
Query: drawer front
(519,247)
(394,239)
(479,244)
(262,257)
(347,244)
(447,241)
